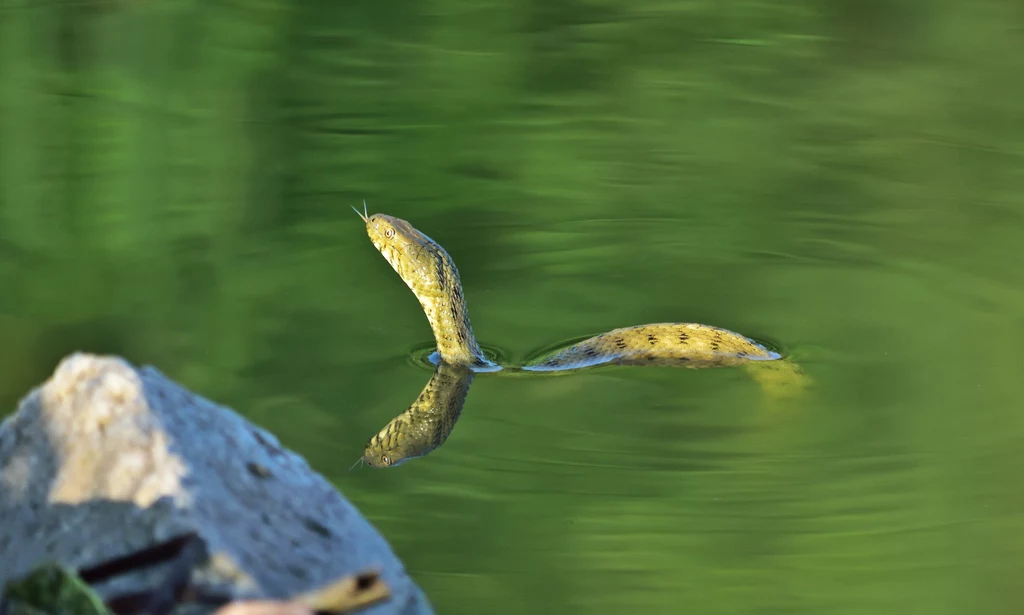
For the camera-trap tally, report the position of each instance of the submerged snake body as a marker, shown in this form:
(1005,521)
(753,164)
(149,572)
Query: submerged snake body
(676,344)
(430,273)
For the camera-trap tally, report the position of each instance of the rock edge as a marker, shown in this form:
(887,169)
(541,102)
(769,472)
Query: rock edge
(105,459)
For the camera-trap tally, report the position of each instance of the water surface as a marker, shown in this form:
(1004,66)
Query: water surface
(841,179)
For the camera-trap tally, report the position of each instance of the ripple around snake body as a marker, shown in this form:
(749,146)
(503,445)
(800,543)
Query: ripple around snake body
(425,355)
(584,352)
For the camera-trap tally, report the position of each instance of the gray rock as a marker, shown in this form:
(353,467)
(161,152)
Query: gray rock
(104,460)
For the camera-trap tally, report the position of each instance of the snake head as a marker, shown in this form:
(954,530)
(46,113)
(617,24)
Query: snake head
(409,252)
(390,232)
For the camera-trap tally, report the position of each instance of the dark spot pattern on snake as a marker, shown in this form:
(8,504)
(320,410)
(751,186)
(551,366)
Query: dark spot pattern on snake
(441,285)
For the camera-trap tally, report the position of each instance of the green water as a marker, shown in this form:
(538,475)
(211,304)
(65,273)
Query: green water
(843,179)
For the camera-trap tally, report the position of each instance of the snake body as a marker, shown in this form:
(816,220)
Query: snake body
(430,273)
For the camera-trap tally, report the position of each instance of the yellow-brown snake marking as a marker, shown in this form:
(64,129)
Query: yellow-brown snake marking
(429,271)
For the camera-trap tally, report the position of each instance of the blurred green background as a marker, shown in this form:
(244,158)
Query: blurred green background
(844,178)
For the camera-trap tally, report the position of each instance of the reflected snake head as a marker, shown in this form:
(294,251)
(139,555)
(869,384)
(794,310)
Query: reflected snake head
(377,458)
(378,454)
(426,424)
(395,444)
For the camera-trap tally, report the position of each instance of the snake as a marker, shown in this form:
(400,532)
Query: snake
(430,273)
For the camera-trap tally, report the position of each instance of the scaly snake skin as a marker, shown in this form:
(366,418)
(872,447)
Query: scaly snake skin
(429,271)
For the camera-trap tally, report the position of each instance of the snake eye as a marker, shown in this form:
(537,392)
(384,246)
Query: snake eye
(384,458)
(389,233)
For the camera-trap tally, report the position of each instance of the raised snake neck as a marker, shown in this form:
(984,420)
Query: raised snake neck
(431,274)
(429,271)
